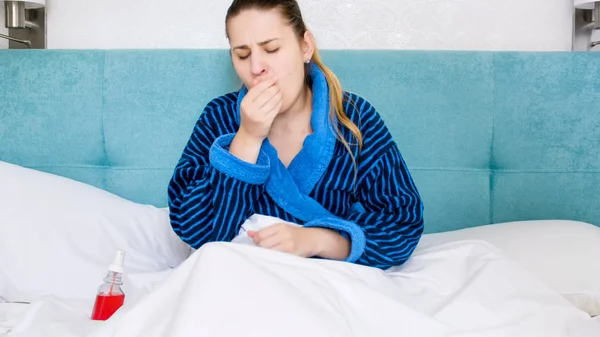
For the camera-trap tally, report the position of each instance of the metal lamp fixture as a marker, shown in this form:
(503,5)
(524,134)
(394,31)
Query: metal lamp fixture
(591,10)
(26,22)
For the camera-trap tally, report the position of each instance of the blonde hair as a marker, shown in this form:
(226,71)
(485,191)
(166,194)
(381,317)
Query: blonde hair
(336,109)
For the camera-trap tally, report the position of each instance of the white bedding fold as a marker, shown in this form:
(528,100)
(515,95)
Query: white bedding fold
(458,289)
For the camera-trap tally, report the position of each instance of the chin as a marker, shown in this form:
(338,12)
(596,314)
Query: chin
(289,101)
(285,107)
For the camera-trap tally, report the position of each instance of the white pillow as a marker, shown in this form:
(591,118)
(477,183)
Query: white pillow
(565,255)
(58,236)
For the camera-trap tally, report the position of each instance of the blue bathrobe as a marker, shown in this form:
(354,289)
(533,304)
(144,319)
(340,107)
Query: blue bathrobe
(212,192)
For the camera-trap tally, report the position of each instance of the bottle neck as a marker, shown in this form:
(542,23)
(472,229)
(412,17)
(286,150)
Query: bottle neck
(113,277)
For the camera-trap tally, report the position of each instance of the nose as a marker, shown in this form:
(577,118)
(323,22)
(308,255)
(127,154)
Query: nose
(258,65)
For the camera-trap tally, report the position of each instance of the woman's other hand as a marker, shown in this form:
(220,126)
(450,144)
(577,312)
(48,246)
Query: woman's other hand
(301,241)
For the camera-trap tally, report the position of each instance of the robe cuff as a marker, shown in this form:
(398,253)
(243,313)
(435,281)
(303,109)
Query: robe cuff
(349,230)
(226,163)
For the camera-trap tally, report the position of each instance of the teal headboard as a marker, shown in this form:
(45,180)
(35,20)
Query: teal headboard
(489,136)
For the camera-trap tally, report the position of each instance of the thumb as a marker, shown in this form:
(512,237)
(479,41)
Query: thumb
(251,234)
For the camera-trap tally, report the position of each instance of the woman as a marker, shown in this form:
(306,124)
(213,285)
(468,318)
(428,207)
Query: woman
(291,144)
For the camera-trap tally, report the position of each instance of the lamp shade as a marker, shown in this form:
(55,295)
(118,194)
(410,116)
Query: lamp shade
(30,4)
(584,4)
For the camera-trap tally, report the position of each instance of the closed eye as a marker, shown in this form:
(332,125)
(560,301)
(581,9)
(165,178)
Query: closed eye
(269,51)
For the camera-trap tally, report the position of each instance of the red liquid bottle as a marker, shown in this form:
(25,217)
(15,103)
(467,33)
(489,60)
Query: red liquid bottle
(110,296)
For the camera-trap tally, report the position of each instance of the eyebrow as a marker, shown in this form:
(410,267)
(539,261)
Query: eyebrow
(260,44)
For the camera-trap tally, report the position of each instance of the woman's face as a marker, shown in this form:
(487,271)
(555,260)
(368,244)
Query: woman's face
(263,45)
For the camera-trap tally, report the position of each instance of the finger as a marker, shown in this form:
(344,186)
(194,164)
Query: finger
(270,242)
(265,233)
(255,91)
(266,97)
(259,98)
(251,234)
(273,107)
(261,79)
(272,113)
(280,248)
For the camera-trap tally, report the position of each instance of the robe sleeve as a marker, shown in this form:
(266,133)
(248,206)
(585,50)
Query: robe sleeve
(386,223)
(212,192)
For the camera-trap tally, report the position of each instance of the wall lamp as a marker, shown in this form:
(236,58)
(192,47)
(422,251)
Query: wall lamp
(26,23)
(591,16)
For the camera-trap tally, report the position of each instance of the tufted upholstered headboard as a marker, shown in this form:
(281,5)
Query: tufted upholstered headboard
(489,136)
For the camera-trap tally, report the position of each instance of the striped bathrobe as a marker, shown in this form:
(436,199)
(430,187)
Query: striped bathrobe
(379,210)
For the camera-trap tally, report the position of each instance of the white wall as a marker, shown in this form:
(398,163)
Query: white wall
(373,24)
(3,30)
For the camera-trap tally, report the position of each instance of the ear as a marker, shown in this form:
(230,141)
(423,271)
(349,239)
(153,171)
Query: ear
(307,45)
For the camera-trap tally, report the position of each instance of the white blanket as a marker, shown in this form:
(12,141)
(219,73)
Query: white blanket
(458,289)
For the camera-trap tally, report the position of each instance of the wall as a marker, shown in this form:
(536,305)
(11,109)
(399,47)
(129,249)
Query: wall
(374,24)
(3,30)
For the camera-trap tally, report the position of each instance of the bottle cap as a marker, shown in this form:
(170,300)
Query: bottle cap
(118,262)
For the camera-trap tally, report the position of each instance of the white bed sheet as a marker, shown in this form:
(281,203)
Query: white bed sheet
(458,289)
(463,289)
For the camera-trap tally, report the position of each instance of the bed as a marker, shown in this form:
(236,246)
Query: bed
(503,147)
